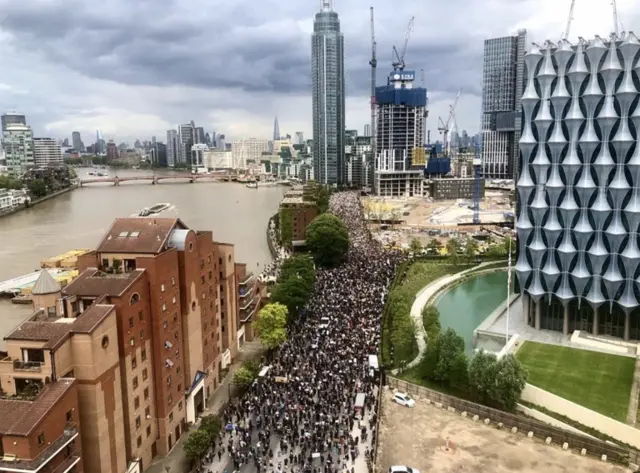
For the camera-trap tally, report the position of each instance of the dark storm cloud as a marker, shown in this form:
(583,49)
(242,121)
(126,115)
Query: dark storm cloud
(255,46)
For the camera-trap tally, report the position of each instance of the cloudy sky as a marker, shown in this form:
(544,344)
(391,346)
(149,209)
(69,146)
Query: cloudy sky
(134,68)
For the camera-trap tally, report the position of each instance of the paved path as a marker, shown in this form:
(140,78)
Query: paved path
(176,462)
(632,412)
(422,298)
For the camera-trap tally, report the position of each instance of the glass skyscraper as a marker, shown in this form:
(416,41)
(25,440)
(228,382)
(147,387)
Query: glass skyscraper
(502,87)
(327,63)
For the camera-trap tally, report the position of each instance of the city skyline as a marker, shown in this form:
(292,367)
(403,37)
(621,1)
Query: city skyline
(144,96)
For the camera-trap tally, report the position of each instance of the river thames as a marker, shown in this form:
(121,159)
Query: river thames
(78,219)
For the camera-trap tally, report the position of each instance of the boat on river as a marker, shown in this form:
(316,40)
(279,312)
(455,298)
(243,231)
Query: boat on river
(252,185)
(154,210)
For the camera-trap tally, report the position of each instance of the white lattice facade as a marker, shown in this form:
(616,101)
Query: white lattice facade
(579,196)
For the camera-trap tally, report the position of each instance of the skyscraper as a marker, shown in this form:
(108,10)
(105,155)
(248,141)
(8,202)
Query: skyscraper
(186,140)
(579,188)
(299,137)
(46,152)
(327,69)
(18,148)
(76,141)
(12,119)
(172,148)
(502,86)
(276,129)
(199,135)
(367,129)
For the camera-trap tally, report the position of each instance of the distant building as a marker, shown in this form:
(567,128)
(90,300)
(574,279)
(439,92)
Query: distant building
(218,159)
(299,137)
(200,137)
(502,88)
(159,154)
(328,97)
(367,130)
(186,137)
(454,188)
(18,148)
(276,130)
(172,148)
(248,149)
(112,151)
(12,119)
(46,152)
(297,211)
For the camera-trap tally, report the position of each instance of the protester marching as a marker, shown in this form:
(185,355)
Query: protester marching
(313,410)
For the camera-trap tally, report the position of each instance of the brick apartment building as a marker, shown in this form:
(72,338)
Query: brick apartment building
(297,210)
(140,339)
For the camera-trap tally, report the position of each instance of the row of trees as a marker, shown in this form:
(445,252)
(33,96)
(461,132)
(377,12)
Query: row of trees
(8,182)
(484,378)
(469,250)
(328,240)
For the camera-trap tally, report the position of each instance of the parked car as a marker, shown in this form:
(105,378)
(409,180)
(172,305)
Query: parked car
(402,469)
(324,323)
(404,400)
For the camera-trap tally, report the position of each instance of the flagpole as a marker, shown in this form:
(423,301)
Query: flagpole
(508,290)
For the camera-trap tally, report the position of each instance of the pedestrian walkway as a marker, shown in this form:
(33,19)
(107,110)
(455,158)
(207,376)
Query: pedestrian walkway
(176,461)
(632,413)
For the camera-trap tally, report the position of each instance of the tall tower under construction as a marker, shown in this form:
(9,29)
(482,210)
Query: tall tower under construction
(400,160)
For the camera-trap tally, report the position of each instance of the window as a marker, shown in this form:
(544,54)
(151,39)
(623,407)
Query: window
(135,382)
(147,412)
(145,395)
(135,298)
(143,355)
(179,387)
(170,400)
(41,438)
(209,259)
(229,257)
(138,422)
(141,316)
(174,299)
(130,322)
(136,402)
(132,341)
(190,246)
(170,416)
(169,380)
(178,370)
(70,415)
(105,342)
(141,334)
(173,281)
(161,287)
(201,264)
(165,324)
(164,307)
(134,363)
(193,306)
(201,279)
(180,405)
(175,317)
(144,374)
(148,430)
(139,441)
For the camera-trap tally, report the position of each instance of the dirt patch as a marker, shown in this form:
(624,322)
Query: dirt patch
(434,440)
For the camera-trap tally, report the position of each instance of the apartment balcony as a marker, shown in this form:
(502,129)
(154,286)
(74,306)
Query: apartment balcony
(249,308)
(29,366)
(10,463)
(245,291)
(247,279)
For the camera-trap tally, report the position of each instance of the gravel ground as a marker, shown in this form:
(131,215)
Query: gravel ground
(417,438)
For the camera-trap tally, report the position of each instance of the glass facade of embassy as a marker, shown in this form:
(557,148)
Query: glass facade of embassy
(578,263)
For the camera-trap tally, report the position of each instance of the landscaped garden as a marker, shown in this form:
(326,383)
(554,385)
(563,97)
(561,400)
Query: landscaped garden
(595,380)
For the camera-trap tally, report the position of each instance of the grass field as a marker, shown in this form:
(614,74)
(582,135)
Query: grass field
(597,381)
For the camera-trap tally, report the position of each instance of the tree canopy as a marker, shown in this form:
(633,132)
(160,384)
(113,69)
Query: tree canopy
(299,267)
(197,444)
(415,246)
(245,375)
(327,239)
(8,182)
(295,283)
(271,325)
(38,188)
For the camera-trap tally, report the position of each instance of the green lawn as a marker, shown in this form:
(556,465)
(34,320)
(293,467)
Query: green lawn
(597,381)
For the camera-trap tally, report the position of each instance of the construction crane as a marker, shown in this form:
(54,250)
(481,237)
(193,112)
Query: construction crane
(374,64)
(444,127)
(569,20)
(398,64)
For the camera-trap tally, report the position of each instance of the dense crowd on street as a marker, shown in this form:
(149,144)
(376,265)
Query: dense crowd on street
(270,272)
(314,411)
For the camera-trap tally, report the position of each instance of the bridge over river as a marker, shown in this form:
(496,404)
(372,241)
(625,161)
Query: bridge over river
(157,178)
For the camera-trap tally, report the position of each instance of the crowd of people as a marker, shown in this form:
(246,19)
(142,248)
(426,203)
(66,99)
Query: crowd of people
(270,272)
(314,411)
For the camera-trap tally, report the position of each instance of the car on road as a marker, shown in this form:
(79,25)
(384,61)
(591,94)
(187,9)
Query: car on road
(324,323)
(402,469)
(404,400)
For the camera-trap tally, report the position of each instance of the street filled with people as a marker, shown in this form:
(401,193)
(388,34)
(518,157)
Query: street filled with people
(313,407)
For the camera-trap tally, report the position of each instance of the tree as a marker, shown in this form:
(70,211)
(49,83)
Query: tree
(431,322)
(322,199)
(449,345)
(38,188)
(243,377)
(212,425)
(482,376)
(471,249)
(509,244)
(299,267)
(511,379)
(452,250)
(197,444)
(433,246)
(293,293)
(403,338)
(271,325)
(415,246)
(286,228)
(327,239)
(8,182)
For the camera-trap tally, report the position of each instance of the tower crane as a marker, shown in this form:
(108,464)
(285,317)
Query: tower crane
(444,127)
(373,63)
(569,20)
(398,64)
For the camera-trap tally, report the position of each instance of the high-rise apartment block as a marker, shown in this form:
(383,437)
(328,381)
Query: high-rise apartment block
(46,152)
(17,141)
(172,148)
(502,86)
(186,139)
(579,188)
(247,149)
(401,111)
(110,369)
(327,71)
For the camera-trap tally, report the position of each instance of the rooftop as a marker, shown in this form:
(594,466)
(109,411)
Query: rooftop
(45,284)
(93,282)
(21,417)
(139,235)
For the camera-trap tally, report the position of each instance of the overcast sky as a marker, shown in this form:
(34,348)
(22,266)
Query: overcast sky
(135,68)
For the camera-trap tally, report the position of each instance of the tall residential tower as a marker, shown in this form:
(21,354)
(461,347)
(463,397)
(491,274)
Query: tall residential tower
(502,86)
(327,68)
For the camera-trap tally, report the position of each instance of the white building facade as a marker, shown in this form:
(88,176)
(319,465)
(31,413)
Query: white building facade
(46,152)
(247,149)
(18,147)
